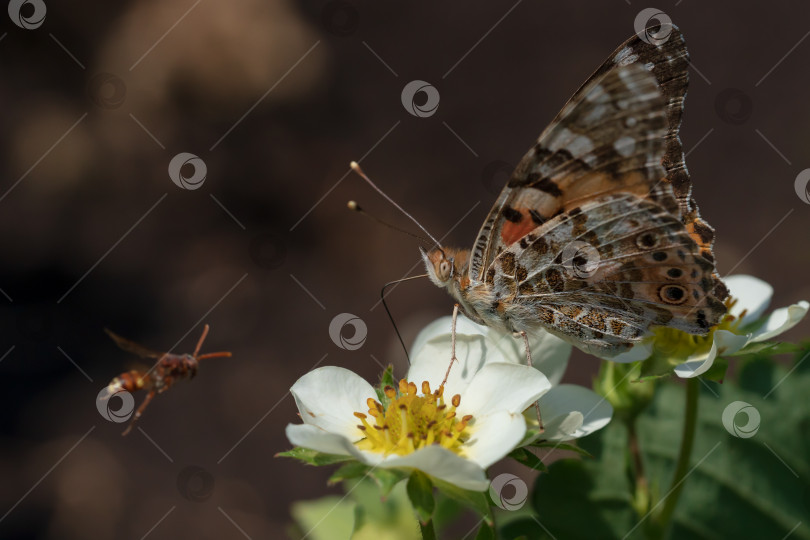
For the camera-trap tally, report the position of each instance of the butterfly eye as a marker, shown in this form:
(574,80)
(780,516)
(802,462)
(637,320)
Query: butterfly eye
(445,270)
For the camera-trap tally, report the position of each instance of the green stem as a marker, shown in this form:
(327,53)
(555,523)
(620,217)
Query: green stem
(641,497)
(428,533)
(664,518)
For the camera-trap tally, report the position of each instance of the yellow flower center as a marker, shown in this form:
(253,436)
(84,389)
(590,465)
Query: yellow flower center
(412,421)
(679,345)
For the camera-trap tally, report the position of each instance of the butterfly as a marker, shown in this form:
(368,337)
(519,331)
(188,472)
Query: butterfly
(595,237)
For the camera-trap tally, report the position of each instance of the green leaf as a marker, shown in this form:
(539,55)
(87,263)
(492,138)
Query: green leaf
(353,469)
(738,487)
(523,528)
(313,457)
(420,492)
(589,498)
(767,347)
(527,458)
(476,500)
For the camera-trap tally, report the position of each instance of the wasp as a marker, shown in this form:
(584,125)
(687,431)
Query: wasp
(168,369)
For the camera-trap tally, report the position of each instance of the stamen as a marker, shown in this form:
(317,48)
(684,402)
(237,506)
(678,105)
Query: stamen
(412,420)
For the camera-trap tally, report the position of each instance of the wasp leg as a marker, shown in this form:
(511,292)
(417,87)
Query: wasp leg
(139,412)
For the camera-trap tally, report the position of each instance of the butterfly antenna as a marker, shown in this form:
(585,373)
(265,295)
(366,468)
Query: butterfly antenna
(354,207)
(388,311)
(356,168)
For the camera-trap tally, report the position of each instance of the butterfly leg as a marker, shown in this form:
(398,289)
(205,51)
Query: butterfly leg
(525,337)
(453,358)
(139,412)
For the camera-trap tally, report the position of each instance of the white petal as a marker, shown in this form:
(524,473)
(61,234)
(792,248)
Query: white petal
(698,366)
(563,427)
(502,387)
(549,353)
(478,345)
(494,436)
(752,294)
(781,320)
(729,342)
(434,358)
(638,352)
(443,464)
(329,396)
(314,438)
(442,327)
(565,400)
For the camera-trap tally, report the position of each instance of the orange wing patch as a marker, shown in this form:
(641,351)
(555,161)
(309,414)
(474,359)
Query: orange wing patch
(518,222)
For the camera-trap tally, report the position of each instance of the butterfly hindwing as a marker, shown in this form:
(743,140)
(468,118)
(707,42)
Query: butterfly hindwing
(603,273)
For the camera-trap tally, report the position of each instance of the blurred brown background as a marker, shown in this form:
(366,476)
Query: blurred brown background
(276,98)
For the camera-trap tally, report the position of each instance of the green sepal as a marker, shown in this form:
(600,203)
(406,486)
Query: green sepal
(478,501)
(527,458)
(386,379)
(386,479)
(313,457)
(350,470)
(420,492)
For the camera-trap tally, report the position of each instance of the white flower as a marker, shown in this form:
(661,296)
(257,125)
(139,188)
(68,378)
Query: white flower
(568,411)
(743,324)
(487,417)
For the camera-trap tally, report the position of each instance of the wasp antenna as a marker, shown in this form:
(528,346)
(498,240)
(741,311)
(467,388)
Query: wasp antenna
(200,342)
(214,355)
(356,168)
